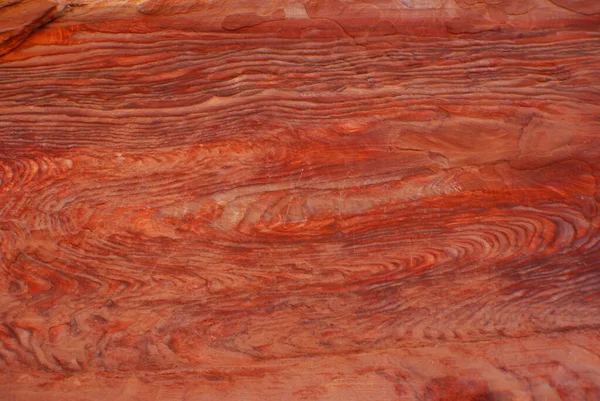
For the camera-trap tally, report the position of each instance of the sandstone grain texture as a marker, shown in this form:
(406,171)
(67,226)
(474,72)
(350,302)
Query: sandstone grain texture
(390,200)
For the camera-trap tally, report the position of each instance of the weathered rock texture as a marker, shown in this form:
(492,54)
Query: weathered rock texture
(300,200)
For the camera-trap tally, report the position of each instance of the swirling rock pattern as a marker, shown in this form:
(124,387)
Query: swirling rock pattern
(300,200)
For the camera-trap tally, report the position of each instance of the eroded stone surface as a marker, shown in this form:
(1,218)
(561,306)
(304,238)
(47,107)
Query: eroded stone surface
(299,200)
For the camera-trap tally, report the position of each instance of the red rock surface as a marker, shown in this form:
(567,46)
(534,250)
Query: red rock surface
(300,200)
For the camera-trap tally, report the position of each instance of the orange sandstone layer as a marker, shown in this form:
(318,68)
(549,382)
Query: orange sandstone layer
(300,200)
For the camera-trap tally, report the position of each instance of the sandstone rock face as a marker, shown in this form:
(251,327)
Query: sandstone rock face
(300,200)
